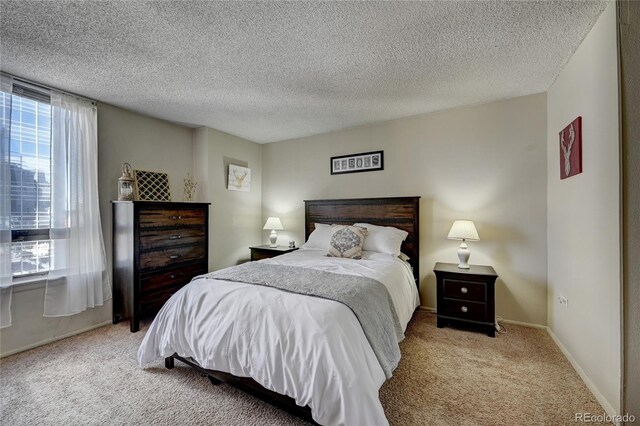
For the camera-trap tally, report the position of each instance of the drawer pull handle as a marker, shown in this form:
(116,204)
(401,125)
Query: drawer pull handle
(175,237)
(464,290)
(175,217)
(464,309)
(174,256)
(176,275)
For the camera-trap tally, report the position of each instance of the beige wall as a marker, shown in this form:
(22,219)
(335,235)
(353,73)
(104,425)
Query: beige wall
(146,143)
(583,213)
(486,163)
(29,328)
(235,217)
(630,68)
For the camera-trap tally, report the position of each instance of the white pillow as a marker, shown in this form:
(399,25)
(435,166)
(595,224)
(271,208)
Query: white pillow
(383,239)
(404,257)
(320,238)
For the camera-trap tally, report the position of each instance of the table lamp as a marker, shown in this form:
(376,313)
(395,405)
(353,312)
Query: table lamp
(273,223)
(463,230)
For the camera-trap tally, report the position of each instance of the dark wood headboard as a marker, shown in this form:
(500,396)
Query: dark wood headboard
(400,212)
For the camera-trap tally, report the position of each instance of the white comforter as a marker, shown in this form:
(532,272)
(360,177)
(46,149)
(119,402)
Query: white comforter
(311,349)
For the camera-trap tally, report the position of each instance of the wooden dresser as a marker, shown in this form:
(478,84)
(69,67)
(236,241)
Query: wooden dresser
(157,248)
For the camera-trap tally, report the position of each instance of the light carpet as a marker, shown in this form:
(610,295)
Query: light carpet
(446,377)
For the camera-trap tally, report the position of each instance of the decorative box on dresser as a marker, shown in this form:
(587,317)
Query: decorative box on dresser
(466,295)
(157,248)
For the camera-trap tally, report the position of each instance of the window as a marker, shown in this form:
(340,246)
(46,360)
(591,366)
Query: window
(49,212)
(30,163)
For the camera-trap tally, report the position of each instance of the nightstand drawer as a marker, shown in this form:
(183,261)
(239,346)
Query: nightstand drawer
(261,254)
(162,258)
(466,290)
(267,252)
(464,310)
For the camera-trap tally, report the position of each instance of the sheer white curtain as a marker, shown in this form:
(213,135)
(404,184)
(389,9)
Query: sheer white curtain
(6,86)
(78,278)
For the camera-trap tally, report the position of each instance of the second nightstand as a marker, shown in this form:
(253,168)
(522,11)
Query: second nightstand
(466,295)
(266,251)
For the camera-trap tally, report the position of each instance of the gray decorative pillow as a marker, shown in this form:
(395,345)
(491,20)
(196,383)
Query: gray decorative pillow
(346,241)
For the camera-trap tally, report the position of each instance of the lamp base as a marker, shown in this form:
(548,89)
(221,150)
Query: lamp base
(463,255)
(273,238)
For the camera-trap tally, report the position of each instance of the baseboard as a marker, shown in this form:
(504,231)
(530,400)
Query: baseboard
(587,381)
(53,339)
(524,324)
(427,309)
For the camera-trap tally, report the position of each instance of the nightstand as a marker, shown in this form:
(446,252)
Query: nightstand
(466,295)
(266,251)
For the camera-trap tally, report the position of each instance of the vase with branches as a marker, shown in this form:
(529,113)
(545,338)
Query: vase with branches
(190,185)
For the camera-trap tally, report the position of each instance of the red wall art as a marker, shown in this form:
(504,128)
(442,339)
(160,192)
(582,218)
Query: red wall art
(571,149)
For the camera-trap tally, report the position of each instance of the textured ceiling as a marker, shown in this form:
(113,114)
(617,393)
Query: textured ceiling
(270,71)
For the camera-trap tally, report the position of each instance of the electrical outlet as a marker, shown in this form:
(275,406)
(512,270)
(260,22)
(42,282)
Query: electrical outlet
(563,301)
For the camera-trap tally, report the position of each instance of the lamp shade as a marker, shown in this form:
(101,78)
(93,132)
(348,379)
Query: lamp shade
(273,223)
(463,230)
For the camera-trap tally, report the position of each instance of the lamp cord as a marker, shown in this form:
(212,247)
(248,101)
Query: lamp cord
(501,328)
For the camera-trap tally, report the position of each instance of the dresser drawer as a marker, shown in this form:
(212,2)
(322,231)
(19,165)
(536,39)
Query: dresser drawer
(171,217)
(464,310)
(465,290)
(151,307)
(156,238)
(166,283)
(157,289)
(171,256)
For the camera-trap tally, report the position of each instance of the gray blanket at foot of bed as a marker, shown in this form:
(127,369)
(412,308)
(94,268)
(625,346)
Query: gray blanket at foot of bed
(367,298)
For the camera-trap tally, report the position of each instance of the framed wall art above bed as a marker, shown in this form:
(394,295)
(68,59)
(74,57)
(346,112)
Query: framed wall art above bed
(356,163)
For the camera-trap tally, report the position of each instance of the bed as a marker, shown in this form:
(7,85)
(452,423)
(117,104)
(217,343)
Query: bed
(305,354)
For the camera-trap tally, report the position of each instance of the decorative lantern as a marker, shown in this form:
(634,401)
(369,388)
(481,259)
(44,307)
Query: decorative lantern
(125,184)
